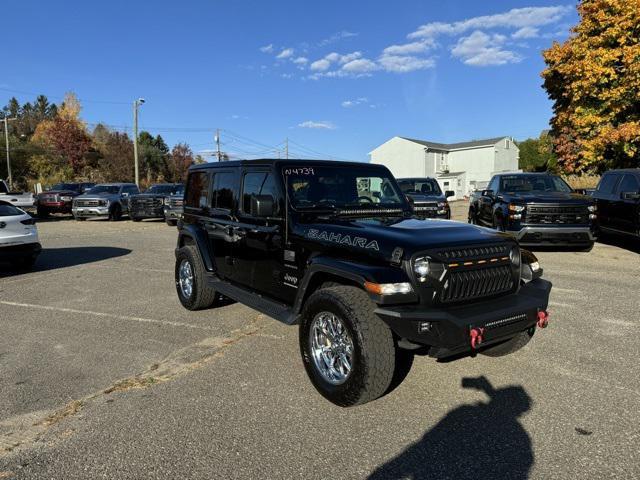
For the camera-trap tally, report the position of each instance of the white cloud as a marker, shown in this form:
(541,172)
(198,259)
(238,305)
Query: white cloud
(361,65)
(320,65)
(336,37)
(323,64)
(514,18)
(410,48)
(286,53)
(480,50)
(300,60)
(526,32)
(267,48)
(323,125)
(355,102)
(404,64)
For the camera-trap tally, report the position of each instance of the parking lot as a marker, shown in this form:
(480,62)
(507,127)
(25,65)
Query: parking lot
(104,375)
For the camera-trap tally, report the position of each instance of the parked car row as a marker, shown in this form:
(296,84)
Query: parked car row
(112,201)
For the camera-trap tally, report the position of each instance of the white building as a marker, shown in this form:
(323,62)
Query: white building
(461,167)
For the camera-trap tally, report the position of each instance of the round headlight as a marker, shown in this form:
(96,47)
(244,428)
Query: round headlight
(421,268)
(514,256)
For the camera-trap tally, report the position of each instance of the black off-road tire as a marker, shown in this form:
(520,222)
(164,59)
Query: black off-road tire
(498,224)
(374,353)
(115,214)
(136,219)
(202,295)
(171,222)
(510,346)
(80,219)
(471,218)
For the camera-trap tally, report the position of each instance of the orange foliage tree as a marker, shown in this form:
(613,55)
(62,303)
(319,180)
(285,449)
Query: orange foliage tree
(594,81)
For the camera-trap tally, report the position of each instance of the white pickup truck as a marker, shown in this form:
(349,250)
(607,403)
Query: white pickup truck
(23,200)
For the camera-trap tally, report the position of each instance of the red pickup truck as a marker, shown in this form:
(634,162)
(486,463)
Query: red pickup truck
(59,198)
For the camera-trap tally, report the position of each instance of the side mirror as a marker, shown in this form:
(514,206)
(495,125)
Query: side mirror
(449,193)
(487,193)
(630,195)
(262,206)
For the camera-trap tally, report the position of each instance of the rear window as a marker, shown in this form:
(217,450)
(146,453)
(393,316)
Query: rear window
(629,184)
(224,187)
(8,210)
(197,190)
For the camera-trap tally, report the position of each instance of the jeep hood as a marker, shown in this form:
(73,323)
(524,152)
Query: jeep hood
(412,235)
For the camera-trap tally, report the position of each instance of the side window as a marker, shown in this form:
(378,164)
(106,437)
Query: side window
(132,189)
(608,183)
(257,183)
(629,184)
(493,184)
(223,188)
(197,194)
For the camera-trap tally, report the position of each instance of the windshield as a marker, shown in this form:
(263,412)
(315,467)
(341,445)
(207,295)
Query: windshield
(420,186)
(74,187)
(340,186)
(105,189)
(168,189)
(8,210)
(533,183)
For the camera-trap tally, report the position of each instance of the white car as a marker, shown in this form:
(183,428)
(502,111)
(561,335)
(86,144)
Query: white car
(19,244)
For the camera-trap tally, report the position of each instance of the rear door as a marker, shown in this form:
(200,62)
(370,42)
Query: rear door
(259,256)
(222,220)
(605,199)
(625,210)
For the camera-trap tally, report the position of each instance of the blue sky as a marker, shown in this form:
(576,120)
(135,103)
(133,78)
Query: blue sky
(336,77)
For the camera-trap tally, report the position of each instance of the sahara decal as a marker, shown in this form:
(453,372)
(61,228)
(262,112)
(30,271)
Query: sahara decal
(340,239)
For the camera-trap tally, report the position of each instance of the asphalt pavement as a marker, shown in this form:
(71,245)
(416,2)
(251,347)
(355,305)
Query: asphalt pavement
(104,375)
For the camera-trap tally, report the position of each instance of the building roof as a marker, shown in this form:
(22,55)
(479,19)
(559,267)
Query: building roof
(457,146)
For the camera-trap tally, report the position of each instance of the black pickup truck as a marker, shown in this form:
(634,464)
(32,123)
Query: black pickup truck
(618,201)
(537,208)
(151,203)
(336,248)
(426,197)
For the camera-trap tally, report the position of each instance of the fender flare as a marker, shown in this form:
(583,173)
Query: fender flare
(352,272)
(201,240)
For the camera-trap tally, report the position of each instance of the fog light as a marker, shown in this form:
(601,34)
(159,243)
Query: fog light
(421,268)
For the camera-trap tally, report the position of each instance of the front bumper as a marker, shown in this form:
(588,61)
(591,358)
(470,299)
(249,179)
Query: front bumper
(550,235)
(173,213)
(446,330)
(90,211)
(55,207)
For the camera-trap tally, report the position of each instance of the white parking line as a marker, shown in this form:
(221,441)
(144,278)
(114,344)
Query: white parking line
(565,290)
(558,304)
(104,315)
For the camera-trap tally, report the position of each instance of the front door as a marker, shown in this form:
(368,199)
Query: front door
(259,253)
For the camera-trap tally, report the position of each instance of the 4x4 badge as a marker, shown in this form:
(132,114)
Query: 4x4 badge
(342,239)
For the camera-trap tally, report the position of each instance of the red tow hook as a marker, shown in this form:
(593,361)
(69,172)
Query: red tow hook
(476,337)
(543,319)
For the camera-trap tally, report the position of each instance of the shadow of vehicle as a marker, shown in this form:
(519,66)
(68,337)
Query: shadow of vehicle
(626,242)
(54,258)
(484,440)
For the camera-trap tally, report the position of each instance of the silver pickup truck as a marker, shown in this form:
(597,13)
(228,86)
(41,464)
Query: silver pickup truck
(23,200)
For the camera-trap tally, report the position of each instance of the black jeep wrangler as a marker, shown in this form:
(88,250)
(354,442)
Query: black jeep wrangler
(335,248)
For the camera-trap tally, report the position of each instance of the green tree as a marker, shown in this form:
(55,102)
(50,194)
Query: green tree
(536,154)
(180,160)
(116,164)
(594,81)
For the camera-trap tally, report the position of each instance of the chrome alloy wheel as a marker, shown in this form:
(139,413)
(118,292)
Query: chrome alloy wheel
(185,278)
(331,348)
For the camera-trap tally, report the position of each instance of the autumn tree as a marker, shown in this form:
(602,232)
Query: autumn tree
(594,81)
(116,164)
(179,162)
(65,134)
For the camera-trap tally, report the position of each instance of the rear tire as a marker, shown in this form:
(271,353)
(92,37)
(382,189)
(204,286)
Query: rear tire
(510,346)
(171,223)
(135,219)
(80,219)
(191,283)
(372,354)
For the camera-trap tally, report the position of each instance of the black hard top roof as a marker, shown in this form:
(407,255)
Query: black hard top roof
(281,162)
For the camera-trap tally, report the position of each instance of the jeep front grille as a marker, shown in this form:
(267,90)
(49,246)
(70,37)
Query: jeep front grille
(470,284)
(543,214)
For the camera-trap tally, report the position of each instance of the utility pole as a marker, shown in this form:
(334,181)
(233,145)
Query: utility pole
(6,141)
(218,152)
(286,148)
(136,104)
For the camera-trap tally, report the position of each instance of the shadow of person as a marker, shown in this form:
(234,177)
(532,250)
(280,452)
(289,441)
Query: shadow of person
(480,441)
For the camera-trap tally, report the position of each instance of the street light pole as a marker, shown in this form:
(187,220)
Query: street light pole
(6,141)
(136,104)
